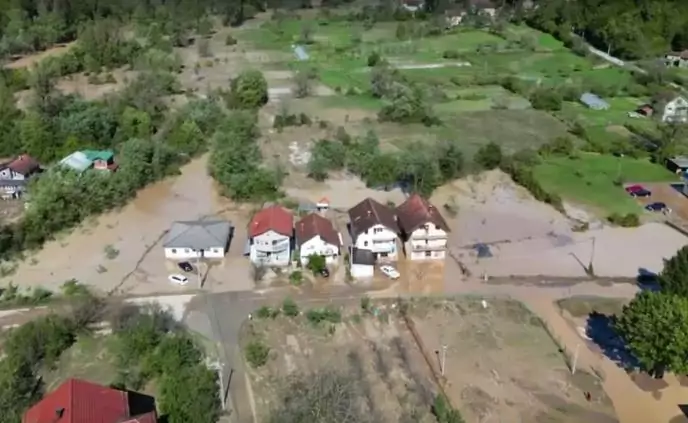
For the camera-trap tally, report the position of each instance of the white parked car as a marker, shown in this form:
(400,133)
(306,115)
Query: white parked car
(178,279)
(390,272)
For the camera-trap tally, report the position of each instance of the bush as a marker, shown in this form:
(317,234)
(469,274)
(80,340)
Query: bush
(523,175)
(249,90)
(373,59)
(444,412)
(289,308)
(296,278)
(546,99)
(257,353)
(316,263)
(630,220)
(488,156)
(560,146)
(450,54)
(229,40)
(266,312)
(316,316)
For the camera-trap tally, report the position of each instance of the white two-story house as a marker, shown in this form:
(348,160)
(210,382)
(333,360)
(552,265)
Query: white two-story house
(315,235)
(270,234)
(423,229)
(675,111)
(373,227)
(14,175)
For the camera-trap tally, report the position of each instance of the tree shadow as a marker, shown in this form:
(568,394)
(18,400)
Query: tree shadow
(600,330)
(647,280)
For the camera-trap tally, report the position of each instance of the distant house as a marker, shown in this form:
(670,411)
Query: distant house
(300,52)
(90,159)
(198,239)
(670,108)
(412,5)
(361,263)
(79,401)
(645,110)
(316,235)
(15,174)
(424,230)
(323,205)
(594,102)
(374,227)
(270,233)
(677,59)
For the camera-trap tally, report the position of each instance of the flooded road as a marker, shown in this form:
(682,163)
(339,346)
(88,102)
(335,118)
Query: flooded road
(128,234)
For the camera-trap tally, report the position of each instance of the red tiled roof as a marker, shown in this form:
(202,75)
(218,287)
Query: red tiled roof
(24,164)
(273,218)
(314,225)
(79,401)
(417,211)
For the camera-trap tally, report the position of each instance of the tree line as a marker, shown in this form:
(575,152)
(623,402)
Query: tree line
(631,29)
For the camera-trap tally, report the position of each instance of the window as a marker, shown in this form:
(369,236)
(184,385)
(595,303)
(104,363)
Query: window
(426,242)
(383,254)
(426,227)
(186,250)
(174,251)
(377,230)
(365,243)
(428,254)
(437,227)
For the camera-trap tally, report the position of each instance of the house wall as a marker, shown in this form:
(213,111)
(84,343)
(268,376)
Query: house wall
(381,241)
(100,164)
(8,173)
(270,249)
(428,242)
(676,111)
(362,271)
(189,253)
(318,246)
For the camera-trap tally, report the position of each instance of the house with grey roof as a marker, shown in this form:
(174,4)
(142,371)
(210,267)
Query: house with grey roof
(593,101)
(198,239)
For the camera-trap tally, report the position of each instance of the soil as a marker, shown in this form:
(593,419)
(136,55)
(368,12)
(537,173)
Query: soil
(501,365)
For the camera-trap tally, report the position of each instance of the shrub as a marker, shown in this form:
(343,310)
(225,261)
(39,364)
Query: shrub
(316,263)
(296,278)
(373,59)
(450,54)
(289,308)
(266,312)
(229,40)
(257,353)
(545,99)
(327,314)
(365,303)
(489,156)
(630,220)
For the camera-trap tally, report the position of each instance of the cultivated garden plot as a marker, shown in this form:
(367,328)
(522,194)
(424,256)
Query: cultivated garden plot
(499,361)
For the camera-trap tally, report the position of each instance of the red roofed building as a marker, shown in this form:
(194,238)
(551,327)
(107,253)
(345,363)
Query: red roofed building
(15,174)
(270,234)
(423,229)
(80,401)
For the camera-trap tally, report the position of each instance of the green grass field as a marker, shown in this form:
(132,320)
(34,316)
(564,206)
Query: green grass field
(590,179)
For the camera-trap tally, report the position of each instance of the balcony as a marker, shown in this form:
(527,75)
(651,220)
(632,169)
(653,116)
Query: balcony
(428,247)
(275,247)
(428,235)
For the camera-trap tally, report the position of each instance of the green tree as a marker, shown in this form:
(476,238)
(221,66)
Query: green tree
(654,326)
(674,277)
(546,99)
(249,90)
(316,263)
(489,156)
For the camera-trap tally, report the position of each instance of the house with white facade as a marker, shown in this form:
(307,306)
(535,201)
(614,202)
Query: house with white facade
(361,263)
(373,227)
(270,233)
(675,110)
(198,239)
(14,175)
(316,235)
(423,229)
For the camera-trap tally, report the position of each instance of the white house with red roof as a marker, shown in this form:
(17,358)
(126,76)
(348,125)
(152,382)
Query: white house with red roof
(270,235)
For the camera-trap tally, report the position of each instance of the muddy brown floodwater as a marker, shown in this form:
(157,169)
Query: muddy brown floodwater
(131,231)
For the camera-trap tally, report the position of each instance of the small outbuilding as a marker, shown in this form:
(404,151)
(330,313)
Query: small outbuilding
(362,263)
(678,164)
(594,102)
(198,239)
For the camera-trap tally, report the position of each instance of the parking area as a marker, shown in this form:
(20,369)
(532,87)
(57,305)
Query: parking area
(669,194)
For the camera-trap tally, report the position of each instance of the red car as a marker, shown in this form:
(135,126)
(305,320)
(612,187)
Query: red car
(638,191)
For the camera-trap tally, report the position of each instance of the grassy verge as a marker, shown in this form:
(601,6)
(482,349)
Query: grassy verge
(583,306)
(593,179)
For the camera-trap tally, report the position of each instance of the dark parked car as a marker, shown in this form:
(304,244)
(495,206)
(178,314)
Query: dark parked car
(185,266)
(658,207)
(638,191)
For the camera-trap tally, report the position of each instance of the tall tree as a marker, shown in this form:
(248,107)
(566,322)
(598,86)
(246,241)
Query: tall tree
(674,277)
(655,328)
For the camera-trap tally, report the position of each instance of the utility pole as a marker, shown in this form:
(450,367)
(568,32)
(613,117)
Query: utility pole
(575,359)
(592,252)
(198,268)
(444,359)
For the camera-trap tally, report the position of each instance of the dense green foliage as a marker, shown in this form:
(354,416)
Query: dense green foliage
(235,162)
(655,328)
(674,276)
(417,166)
(629,28)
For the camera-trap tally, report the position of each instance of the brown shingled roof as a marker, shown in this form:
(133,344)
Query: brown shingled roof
(24,164)
(417,211)
(314,225)
(369,213)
